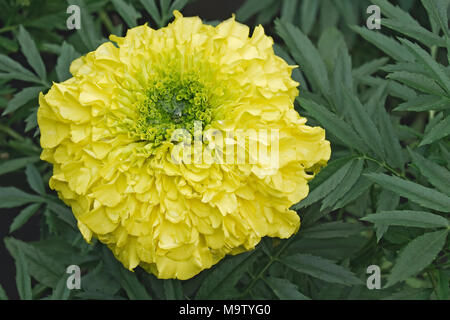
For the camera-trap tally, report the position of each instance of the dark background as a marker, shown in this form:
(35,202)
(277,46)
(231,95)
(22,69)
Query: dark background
(206,9)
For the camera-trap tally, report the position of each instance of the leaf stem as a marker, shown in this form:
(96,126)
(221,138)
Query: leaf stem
(11,132)
(383,165)
(261,273)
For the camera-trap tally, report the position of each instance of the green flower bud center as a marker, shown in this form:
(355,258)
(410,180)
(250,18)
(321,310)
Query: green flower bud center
(172,102)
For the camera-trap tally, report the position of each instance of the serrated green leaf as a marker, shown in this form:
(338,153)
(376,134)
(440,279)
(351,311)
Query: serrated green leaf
(31,53)
(23,279)
(31,121)
(387,201)
(308,15)
(127,12)
(127,279)
(333,124)
(333,248)
(418,82)
(347,183)
(89,34)
(417,255)
(435,70)
(288,10)
(407,218)
(8,44)
(23,217)
(268,14)
(21,98)
(61,291)
(326,187)
(67,56)
(425,103)
(439,131)
(14,70)
(63,213)
(414,31)
(438,176)
(377,100)
(329,15)
(41,266)
(342,77)
(173,289)
(219,283)
(402,22)
(417,193)
(150,7)
(330,43)
(369,68)
(385,44)
(329,170)
(320,268)
(250,8)
(284,289)
(306,55)
(335,229)
(178,5)
(391,142)
(437,11)
(15,164)
(363,124)
(34,179)
(359,188)
(11,197)
(395,89)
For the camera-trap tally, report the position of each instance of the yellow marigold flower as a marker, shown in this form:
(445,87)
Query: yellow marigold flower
(107,131)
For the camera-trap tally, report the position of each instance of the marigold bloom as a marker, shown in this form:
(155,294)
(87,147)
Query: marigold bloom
(107,132)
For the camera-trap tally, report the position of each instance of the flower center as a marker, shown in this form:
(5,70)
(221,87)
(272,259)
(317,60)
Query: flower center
(173,101)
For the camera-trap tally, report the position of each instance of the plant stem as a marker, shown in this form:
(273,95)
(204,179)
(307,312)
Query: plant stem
(384,165)
(261,273)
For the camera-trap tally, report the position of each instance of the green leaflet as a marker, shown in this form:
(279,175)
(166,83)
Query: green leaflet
(68,54)
(23,217)
(173,289)
(127,279)
(127,12)
(308,15)
(30,51)
(426,197)
(407,218)
(219,283)
(437,175)
(34,179)
(320,268)
(326,187)
(15,164)
(334,124)
(347,183)
(23,279)
(11,197)
(329,230)
(418,254)
(306,55)
(284,289)
(439,131)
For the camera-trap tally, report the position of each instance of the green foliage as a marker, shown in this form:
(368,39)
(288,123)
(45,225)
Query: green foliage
(383,97)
